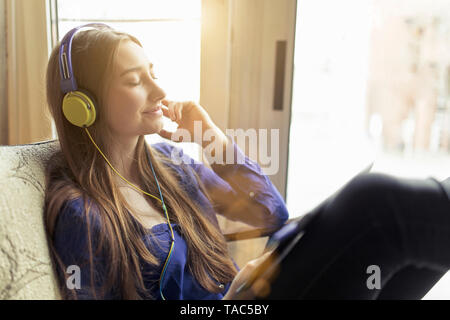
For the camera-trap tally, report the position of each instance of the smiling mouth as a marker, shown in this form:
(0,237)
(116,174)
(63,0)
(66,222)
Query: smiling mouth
(154,110)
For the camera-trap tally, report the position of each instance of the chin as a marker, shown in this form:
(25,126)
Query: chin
(154,128)
(159,126)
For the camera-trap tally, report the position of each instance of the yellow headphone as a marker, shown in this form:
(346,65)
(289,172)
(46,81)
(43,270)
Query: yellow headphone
(78,105)
(79,108)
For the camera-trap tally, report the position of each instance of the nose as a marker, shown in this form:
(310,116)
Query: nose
(156,93)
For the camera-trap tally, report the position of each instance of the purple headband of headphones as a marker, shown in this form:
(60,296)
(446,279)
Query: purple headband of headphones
(68,81)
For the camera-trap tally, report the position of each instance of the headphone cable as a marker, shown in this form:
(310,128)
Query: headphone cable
(160,200)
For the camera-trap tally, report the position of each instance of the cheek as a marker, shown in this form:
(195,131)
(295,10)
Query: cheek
(128,101)
(124,106)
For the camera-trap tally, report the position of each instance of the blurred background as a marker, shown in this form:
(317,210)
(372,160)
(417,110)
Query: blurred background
(346,83)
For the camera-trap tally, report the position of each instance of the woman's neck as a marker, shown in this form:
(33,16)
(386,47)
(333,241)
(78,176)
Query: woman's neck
(124,160)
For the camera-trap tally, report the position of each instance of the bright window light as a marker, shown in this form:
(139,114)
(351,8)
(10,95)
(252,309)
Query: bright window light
(371,84)
(169,30)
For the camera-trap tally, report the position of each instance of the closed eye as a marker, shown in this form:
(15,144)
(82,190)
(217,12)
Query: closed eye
(150,68)
(134,83)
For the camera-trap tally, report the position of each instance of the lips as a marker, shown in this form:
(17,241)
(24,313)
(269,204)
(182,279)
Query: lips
(157,111)
(154,110)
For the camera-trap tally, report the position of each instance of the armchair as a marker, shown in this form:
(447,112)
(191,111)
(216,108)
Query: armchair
(26,270)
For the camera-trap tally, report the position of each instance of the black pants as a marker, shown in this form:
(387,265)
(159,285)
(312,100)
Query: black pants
(400,227)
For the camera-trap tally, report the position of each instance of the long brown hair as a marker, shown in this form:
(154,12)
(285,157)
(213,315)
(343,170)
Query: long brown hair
(79,171)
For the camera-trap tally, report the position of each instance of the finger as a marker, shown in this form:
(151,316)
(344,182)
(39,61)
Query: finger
(165,134)
(165,111)
(257,261)
(169,108)
(265,255)
(178,111)
(174,115)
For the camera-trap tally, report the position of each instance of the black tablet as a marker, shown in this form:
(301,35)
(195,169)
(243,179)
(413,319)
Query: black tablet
(280,244)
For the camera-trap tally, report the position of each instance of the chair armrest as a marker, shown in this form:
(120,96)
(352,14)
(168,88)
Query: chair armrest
(247,234)
(253,233)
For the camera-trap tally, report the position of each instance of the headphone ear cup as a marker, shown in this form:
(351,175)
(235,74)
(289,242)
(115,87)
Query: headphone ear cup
(79,108)
(90,96)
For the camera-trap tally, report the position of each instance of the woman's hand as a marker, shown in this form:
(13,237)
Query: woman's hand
(187,115)
(258,288)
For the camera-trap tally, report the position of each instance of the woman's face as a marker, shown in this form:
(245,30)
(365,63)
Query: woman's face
(133,101)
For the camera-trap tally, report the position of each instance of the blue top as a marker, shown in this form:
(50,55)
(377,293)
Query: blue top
(227,183)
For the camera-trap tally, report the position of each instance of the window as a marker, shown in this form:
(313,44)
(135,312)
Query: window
(371,83)
(169,30)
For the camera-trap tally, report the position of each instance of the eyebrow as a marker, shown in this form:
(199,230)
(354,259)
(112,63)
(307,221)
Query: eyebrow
(135,69)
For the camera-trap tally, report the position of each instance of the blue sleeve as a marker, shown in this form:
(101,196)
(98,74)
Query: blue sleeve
(71,243)
(240,191)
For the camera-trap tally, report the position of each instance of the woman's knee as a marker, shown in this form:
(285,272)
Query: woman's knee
(369,199)
(372,187)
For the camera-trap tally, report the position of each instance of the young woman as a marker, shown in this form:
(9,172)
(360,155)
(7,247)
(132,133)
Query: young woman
(110,197)
(98,218)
